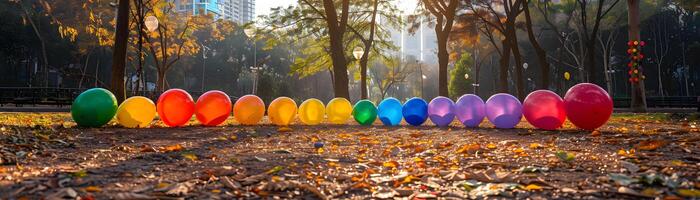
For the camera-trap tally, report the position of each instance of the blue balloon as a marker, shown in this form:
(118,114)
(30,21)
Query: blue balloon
(390,111)
(415,111)
(504,110)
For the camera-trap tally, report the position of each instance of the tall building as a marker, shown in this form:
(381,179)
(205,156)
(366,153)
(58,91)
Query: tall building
(199,7)
(240,11)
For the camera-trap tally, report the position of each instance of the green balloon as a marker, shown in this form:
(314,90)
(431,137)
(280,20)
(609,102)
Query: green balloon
(94,108)
(364,112)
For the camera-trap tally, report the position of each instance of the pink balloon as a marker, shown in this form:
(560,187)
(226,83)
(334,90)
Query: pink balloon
(544,109)
(588,106)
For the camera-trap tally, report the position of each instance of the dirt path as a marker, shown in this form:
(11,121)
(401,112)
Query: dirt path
(644,156)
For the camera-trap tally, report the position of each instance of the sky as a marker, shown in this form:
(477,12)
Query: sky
(262,7)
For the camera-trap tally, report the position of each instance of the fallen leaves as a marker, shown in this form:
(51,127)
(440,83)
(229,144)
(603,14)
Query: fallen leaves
(565,156)
(170,148)
(651,145)
(468,148)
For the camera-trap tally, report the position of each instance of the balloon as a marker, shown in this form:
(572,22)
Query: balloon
(282,111)
(441,111)
(389,111)
(213,108)
(339,111)
(364,112)
(588,106)
(312,111)
(470,110)
(504,110)
(175,107)
(544,109)
(94,108)
(136,112)
(415,111)
(249,110)
(567,75)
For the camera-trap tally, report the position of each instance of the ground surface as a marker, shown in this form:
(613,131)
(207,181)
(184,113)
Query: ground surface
(632,157)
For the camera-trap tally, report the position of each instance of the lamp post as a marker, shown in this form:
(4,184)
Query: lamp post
(152,24)
(357,53)
(420,69)
(251,31)
(525,66)
(204,63)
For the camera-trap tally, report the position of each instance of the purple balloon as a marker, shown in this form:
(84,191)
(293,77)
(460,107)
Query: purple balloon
(441,111)
(470,110)
(504,110)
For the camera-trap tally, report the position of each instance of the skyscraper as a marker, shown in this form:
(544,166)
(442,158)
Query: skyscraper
(240,11)
(199,7)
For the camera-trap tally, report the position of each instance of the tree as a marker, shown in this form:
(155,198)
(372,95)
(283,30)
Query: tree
(368,42)
(541,52)
(121,40)
(501,16)
(318,32)
(459,84)
(443,13)
(639,102)
(588,30)
(390,73)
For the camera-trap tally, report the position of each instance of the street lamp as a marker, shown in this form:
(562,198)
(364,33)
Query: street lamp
(204,63)
(357,53)
(251,31)
(151,23)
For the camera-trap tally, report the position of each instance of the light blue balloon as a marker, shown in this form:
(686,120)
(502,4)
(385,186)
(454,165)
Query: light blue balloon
(415,111)
(504,110)
(390,111)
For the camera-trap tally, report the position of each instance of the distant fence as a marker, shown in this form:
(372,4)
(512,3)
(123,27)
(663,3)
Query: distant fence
(21,96)
(661,102)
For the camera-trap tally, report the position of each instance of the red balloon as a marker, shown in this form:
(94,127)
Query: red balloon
(588,106)
(213,108)
(544,109)
(175,107)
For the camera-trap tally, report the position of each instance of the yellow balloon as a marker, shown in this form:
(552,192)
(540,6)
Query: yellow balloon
(249,110)
(339,111)
(567,75)
(282,111)
(312,112)
(136,112)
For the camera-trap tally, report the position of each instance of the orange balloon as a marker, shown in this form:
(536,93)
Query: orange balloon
(282,111)
(213,108)
(249,110)
(175,107)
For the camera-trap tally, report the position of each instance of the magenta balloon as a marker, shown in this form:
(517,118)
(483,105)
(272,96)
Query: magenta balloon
(441,111)
(504,110)
(470,110)
(544,109)
(588,106)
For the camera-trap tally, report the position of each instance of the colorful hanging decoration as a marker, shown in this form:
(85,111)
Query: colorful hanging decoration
(636,57)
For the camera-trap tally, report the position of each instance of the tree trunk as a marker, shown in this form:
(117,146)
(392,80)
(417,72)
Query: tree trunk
(638,103)
(541,53)
(503,68)
(513,40)
(336,31)
(443,60)
(368,47)
(160,86)
(119,55)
